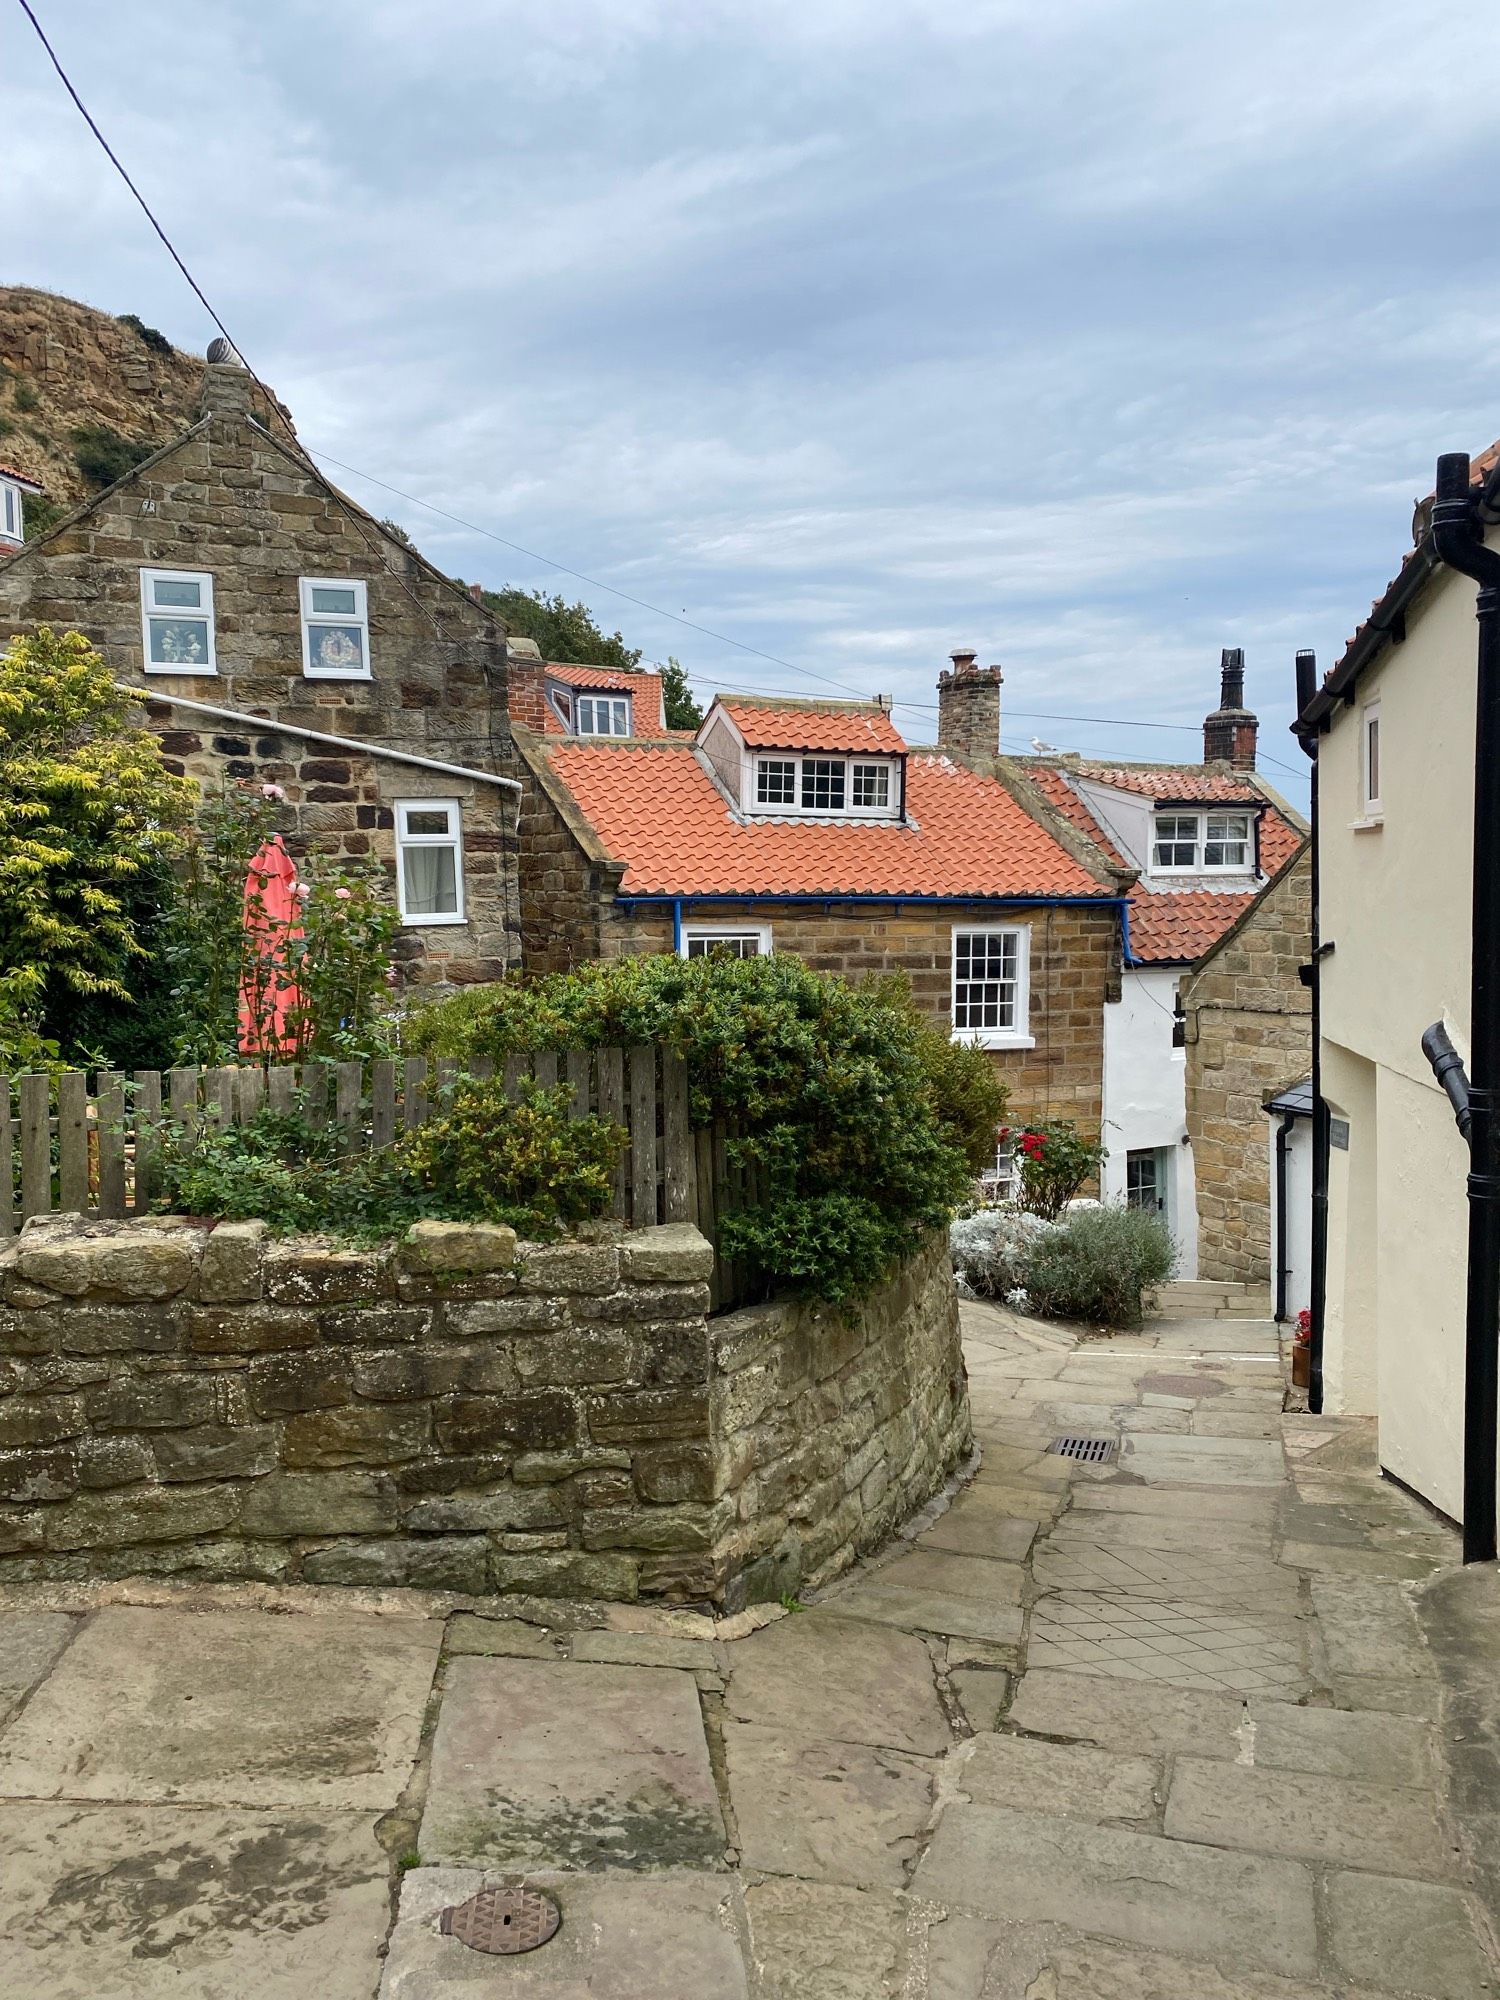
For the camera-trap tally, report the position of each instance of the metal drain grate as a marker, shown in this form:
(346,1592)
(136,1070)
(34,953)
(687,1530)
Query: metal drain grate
(502,1920)
(1095,1451)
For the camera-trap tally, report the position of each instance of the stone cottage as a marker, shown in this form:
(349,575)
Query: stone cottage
(1200,841)
(812,827)
(285,638)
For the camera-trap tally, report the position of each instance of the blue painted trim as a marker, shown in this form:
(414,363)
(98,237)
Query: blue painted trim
(1130,957)
(830,898)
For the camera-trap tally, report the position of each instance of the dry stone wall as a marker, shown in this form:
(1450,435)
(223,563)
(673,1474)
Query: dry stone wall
(457,1412)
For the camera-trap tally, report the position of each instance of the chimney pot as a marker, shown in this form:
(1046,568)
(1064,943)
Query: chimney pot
(1229,734)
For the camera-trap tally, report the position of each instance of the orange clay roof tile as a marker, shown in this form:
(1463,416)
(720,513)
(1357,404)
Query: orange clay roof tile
(655,808)
(1179,925)
(1192,783)
(845,726)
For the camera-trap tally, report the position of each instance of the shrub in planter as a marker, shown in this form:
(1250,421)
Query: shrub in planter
(1097,1264)
(835,1091)
(482,1158)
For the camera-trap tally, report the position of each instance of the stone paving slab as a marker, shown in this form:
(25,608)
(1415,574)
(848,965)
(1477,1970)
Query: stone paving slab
(1089,1528)
(1191,1461)
(1368,1629)
(234,1708)
(1374,1749)
(931,1611)
(1310,1815)
(1411,1935)
(972,1958)
(1137,1718)
(30,1642)
(1207,1575)
(570,1766)
(1070,1778)
(829,1812)
(944,1573)
(981,1692)
(814,1941)
(1134,1887)
(981,1532)
(1131,1495)
(818,1675)
(622,1937)
(139,1902)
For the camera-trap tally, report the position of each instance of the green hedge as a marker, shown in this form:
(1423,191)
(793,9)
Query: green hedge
(868,1123)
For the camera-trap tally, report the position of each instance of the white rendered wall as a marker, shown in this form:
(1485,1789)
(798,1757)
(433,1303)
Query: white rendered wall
(1145,1097)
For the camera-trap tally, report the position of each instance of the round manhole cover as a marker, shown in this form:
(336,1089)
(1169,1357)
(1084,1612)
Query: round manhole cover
(502,1920)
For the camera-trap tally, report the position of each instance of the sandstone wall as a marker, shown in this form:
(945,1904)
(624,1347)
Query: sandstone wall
(1075,967)
(458,1412)
(1249,1035)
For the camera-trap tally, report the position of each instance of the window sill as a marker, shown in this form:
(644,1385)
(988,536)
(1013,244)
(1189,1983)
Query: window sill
(431,923)
(986,1038)
(1371,823)
(184,673)
(315,674)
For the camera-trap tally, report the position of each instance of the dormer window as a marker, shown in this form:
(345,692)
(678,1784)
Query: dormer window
(825,786)
(601,715)
(1202,843)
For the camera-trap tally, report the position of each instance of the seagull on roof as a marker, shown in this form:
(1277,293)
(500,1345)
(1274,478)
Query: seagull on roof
(1043,749)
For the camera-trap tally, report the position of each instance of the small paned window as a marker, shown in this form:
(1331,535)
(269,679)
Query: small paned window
(724,941)
(335,628)
(1176,844)
(601,715)
(1143,1182)
(872,786)
(1370,758)
(776,781)
(998,1182)
(1226,840)
(177,616)
(823,784)
(429,861)
(11,515)
(989,985)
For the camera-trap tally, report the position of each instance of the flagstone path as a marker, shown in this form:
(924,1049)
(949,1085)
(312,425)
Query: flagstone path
(1214,1719)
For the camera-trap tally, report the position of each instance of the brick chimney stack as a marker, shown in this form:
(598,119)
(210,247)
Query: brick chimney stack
(969,708)
(1229,733)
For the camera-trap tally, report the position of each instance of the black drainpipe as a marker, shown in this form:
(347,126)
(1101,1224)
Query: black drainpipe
(1283,1266)
(1458,539)
(1307,687)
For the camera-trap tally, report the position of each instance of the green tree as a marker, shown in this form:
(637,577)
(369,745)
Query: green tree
(570,632)
(86,806)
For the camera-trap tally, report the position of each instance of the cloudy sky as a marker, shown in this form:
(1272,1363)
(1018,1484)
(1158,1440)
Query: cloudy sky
(1097,335)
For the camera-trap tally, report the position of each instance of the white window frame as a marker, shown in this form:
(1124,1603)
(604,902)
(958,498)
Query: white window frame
(12,511)
(799,760)
(453,838)
(359,616)
(714,932)
(205,611)
(1018,1035)
(1201,816)
(561,699)
(593,697)
(1371,804)
(999,1182)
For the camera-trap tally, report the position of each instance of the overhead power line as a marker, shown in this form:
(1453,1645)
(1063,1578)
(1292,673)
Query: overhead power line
(518,548)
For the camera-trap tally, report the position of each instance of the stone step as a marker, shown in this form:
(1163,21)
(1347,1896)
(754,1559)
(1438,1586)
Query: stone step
(1208,1298)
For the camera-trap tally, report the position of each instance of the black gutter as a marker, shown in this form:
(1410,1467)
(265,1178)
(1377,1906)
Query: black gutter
(1308,735)
(1448,1067)
(1458,540)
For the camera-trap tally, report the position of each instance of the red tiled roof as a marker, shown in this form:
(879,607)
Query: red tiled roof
(21,478)
(655,808)
(1279,841)
(647,710)
(1178,925)
(1194,784)
(846,726)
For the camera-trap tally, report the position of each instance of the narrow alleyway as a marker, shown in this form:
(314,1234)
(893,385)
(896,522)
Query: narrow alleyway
(1173,1725)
